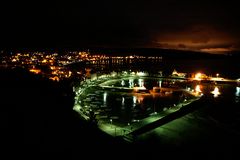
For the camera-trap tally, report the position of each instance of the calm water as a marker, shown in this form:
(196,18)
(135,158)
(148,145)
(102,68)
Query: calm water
(126,107)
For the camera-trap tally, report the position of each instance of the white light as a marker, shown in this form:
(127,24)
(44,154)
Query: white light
(215,92)
(140,82)
(123,101)
(134,99)
(105,97)
(160,83)
(237,91)
(131,83)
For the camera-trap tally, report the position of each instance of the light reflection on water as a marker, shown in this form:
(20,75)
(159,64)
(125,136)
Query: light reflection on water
(216,92)
(237,91)
(131,106)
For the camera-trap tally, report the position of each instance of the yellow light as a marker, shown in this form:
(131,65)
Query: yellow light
(198,89)
(35,70)
(14,60)
(44,61)
(198,76)
(54,78)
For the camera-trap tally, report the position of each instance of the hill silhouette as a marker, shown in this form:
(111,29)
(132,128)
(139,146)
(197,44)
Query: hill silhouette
(166,53)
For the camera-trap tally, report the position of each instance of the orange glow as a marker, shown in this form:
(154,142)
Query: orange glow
(136,89)
(203,38)
(199,76)
(54,72)
(215,50)
(35,70)
(140,99)
(54,78)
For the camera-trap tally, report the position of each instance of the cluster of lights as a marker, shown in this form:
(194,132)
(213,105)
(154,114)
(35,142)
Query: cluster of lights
(54,61)
(200,76)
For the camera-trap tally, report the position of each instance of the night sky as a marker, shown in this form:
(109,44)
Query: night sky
(192,25)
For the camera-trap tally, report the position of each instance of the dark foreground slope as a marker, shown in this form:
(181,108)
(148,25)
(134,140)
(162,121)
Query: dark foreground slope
(37,117)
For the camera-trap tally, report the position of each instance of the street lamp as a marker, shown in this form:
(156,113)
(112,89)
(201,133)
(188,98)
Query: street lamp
(111,122)
(129,127)
(217,75)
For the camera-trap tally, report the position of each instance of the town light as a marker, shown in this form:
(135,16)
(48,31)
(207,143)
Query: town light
(198,76)
(198,89)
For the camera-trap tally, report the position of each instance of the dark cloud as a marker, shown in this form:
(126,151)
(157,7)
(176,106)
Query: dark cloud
(121,23)
(197,37)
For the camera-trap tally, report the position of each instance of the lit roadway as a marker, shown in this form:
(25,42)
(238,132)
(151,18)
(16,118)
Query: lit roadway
(142,126)
(137,127)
